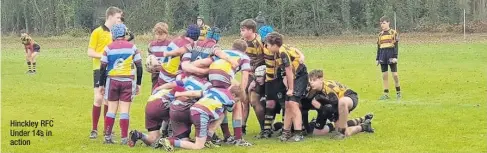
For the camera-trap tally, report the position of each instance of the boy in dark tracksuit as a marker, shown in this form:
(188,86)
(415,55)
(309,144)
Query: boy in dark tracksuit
(387,51)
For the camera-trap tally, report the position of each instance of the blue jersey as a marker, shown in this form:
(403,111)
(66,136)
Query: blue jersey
(200,50)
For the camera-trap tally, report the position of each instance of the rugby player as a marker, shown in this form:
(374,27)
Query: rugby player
(387,52)
(196,50)
(99,39)
(254,50)
(117,75)
(171,57)
(32,49)
(203,27)
(334,102)
(156,111)
(206,114)
(288,65)
(156,48)
(220,74)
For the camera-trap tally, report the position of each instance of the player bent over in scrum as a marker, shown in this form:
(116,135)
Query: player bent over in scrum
(220,74)
(206,115)
(335,101)
(171,59)
(156,111)
(117,69)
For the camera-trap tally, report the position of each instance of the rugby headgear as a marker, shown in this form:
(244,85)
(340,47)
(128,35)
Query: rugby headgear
(214,34)
(193,32)
(264,30)
(260,71)
(118,30)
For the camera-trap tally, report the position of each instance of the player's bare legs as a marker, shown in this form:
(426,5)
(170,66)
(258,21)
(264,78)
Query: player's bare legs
(344,104)
(29,64)
(258,108)
(385,82)
(200,141)
(33,56)
(396,83)
(96,111)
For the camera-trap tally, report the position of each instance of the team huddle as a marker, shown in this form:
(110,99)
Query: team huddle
(194,84)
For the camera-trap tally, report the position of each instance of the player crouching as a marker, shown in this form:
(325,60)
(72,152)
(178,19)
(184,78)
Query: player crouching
(206,114)
(334,102)
(156,112)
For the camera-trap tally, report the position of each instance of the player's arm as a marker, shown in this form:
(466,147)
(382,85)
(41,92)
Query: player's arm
(103,69)
(396,47)
(245,69)
(169,85)
(301,55)
(187,66)
(203,62)
(192,94)
(149,51)
(138,65)
(289,70)
(91,48)
(179,51)
(218,52)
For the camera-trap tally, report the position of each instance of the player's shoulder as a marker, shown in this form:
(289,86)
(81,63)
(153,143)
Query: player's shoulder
(159,42)
(392,31)
(121,44)
(285,48)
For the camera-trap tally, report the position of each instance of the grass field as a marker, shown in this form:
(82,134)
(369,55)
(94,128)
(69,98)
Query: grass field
(443,108)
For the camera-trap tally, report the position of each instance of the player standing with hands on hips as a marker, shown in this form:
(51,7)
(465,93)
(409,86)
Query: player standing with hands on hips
(387,51)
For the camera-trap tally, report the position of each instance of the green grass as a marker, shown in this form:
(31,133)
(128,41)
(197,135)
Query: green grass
(443,107)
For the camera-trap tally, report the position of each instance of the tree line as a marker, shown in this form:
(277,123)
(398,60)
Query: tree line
(297,17)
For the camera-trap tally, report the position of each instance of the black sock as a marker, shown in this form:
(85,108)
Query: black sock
(386,91)
(398,89)
(34,66)
(355,122)
(244,129)
(268,118)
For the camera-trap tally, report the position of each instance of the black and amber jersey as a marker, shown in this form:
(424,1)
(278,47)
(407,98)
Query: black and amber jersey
(26,40)
(387,46)
(255,50)
(270,65)
(387,39)
(277,62)
(333,90)
(288,56)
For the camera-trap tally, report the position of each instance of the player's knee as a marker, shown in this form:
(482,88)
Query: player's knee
(200,144)
(384,75)
(98,100)
(395,75)
(348,133)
